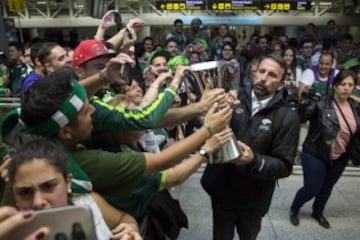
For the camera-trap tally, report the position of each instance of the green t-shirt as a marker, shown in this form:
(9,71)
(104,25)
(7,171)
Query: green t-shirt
(302,63)
(112,174)
(109,118)
(137,204)
(146,188)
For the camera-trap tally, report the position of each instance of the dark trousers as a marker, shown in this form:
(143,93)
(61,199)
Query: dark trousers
(319,180)
(246,221)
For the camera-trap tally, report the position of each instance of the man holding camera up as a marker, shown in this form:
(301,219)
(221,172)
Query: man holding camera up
(319,77)
(241,190)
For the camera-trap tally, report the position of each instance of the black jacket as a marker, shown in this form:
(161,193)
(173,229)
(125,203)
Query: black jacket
(272,134)
(324,126)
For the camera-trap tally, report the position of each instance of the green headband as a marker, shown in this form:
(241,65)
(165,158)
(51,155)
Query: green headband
(63,116)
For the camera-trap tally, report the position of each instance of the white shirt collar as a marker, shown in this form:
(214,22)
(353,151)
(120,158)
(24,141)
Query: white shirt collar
(257,104)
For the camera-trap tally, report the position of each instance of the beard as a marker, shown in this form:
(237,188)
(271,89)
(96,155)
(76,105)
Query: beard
(261,91)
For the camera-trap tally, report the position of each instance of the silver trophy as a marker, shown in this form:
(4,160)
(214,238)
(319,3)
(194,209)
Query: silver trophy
(227,77)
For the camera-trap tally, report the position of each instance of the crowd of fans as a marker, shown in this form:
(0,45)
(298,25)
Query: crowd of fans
(111,123)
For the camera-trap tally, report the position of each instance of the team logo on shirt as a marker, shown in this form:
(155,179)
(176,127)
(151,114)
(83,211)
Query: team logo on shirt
(265,124)
(239,110)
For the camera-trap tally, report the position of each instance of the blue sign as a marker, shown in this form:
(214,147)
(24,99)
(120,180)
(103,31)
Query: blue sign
(212,20)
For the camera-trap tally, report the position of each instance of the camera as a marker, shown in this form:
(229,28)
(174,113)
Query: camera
(310,94)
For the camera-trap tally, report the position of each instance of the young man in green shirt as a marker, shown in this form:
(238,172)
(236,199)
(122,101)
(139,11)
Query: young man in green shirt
(56,107)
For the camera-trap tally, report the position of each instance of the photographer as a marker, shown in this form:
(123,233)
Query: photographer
(319,77)
(333,124)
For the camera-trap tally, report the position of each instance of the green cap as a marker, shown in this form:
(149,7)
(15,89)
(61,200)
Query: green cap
(203,42)
(180,59)
(159,53)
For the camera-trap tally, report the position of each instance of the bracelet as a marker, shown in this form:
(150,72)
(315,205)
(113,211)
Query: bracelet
(209,129)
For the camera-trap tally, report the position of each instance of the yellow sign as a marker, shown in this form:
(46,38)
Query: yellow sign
(16,5)
(286,6)
(176,5)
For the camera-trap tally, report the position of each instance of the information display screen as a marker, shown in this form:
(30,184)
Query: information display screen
(285,5)
(181,5)
(235,5)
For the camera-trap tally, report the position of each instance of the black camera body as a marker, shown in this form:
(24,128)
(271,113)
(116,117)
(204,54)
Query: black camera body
(310,94)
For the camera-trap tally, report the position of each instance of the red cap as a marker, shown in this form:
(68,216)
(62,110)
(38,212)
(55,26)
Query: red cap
(88,50)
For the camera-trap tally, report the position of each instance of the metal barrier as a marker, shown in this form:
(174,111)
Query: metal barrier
(9,102)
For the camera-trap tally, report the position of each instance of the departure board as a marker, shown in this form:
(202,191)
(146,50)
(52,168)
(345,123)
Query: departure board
(235,5)
(285,5)
(181,5)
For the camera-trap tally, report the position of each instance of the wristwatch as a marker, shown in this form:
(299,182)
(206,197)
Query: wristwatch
(204,153)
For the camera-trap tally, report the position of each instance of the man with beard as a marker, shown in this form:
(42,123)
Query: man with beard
(268,130)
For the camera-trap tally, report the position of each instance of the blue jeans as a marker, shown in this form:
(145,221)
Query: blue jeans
(319,180)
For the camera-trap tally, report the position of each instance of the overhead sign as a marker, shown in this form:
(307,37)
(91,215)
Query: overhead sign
(285,5)
(235,5)
(259,5)
(16,5)
(181,5)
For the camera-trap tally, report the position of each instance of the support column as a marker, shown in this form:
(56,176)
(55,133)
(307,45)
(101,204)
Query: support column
(144,32)
(355,31)
(3,39)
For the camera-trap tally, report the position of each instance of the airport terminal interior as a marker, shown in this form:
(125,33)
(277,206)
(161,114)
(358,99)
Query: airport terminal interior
(197,67)
(52,15)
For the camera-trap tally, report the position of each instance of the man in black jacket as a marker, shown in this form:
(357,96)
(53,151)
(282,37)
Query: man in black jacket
(241,190)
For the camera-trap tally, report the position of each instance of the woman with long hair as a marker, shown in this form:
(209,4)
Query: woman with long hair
(293,73)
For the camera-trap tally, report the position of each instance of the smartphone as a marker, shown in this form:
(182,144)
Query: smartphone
(118,21)
(71,222)
(120,25)
(127,73)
